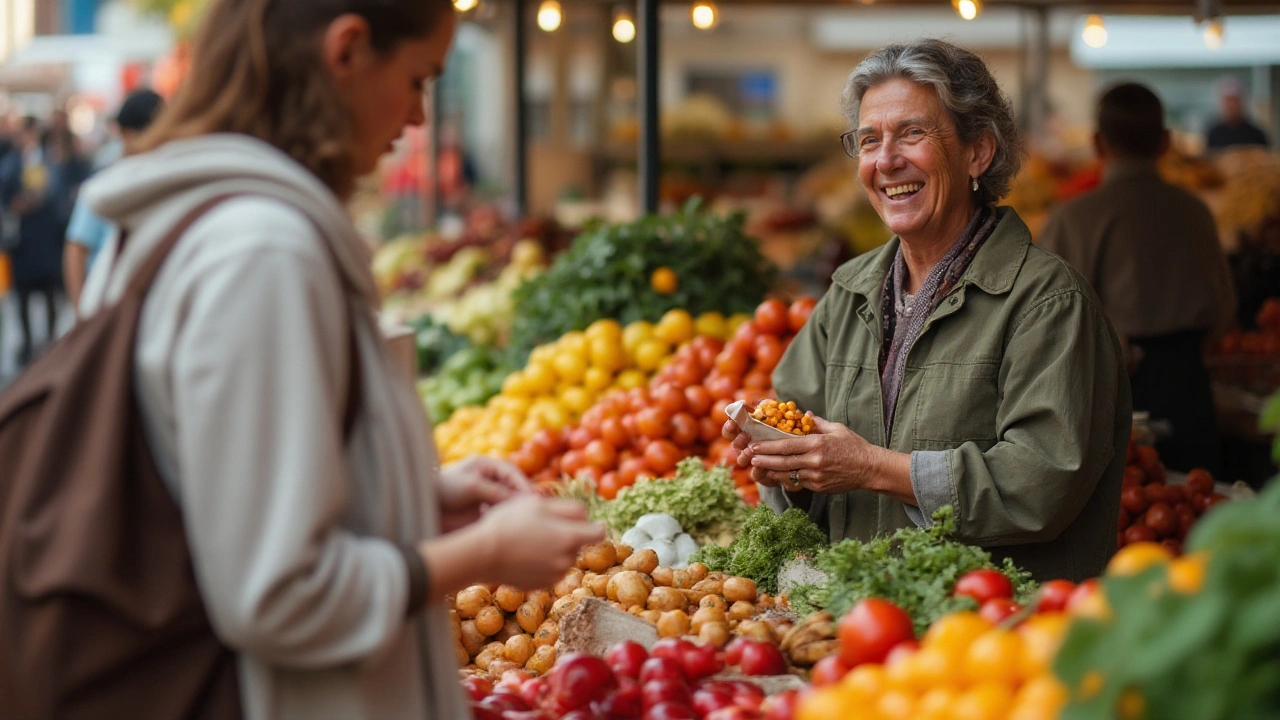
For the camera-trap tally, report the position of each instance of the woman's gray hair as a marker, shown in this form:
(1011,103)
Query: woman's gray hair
(968,91)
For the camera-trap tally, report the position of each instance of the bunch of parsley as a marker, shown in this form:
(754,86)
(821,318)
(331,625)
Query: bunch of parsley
(765,544)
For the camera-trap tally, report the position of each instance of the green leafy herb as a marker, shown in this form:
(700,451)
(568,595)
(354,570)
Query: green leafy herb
(915,568)
(766,542)
(607,270)
(704,501)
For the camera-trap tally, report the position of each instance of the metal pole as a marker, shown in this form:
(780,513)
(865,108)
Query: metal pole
(648,29)
(519,51)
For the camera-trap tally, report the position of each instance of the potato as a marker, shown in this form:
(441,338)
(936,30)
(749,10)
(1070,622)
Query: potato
(717,575)
(563,606)
(490,620)
(460,654)
(519,649)
(673,623)
(651,616)
(542,598)
(599,557)
(714,601)
(581,594)
(596,583)
(617,605)
(756,630)
(644,561)
(706,615)
(530,616)
(714,633)
(614,570)
(472,600)
(742,610)
(663,599)
(500,666)
(698,572)
(622,552)
(709,586)
(455,624)
(548,633)
(635,610)
(472,639)
(738,588)
(629,588)
(509,598)
(681,579)
(509,629)
(490,653)
(544,658)
(571,581)
(662,576)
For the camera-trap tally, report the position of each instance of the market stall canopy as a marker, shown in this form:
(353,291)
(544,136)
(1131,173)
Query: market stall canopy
(1175,42)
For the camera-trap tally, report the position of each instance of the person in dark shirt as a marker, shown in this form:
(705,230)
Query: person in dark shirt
(1234,128)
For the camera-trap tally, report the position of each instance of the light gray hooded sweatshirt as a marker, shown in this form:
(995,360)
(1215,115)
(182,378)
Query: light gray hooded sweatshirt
(241,372)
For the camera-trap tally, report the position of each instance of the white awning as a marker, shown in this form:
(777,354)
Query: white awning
(1151,42)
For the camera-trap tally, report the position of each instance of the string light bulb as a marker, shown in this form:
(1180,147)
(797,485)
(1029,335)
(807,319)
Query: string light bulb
(1213,34)
(624,28)
(550,15)
(465,5)
(1095,32)
(967,9)
(705,15)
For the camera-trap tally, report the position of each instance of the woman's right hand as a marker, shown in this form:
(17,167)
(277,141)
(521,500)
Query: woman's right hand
(531,541)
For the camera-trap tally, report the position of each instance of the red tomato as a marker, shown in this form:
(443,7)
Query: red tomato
(709,429)
(579,437)
(799,312)
(700,661)
(660,668)
(733,651)
(733,362)
(477,687)
(638,399)
(1174,494)
(632,469)
(1162,519)
(626,659)
(608,486)
(983,585)
(744,338)
(1133,499)
(601,454)
(625,704)
(684,373)
(781,706)
(732,713)
(662,456)
(614,432)
(591,420)
(577,680)
(664,690)
(684,430)
(705,351)
(698,400)
(669,711)
(533,691)
(551,441)
(771,317)
(996,610)
(670,398)
(871,629)
(828,671)
(722,387)
(529,459)
(1139,533)
(1133,477)
(757,380)
(1054,596)
(902,649)
(1123,519)
(768,353)
(1172,545)
(653,423)
(1186,518)
(1200,481)
(572,462)
(762,658)
(708,700)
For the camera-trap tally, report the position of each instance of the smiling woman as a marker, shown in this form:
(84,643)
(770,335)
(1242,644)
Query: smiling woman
(958,365)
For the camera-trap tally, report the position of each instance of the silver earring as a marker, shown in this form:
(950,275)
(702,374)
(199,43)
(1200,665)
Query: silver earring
(975,184)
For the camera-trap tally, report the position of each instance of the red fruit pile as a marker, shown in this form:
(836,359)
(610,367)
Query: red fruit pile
(646,431)
(673,682)
(1152,510)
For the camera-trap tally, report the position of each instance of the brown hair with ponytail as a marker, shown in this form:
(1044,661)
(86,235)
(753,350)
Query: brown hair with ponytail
(256,69)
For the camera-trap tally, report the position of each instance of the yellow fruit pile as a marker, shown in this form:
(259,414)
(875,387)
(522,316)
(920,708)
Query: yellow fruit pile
(965,669)
(565,378)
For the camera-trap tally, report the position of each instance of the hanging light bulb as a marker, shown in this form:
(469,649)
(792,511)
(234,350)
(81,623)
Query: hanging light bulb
(624,28)
(967,9)
(705,15)
(1095,32)
(465,5)
(1213,34)
(550,15)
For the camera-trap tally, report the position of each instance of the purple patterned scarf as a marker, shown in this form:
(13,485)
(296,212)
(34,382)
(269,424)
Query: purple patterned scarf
(941,280)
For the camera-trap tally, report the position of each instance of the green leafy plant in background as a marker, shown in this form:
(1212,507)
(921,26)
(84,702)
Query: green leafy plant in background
(606,274)
(766,543)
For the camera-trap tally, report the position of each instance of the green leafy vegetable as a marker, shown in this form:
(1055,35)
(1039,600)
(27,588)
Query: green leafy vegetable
(766,542)
(915,568)
(704,502)
(607,270)
(1211,655)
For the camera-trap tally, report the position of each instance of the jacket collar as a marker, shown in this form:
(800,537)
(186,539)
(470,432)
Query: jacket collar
(993,269)
(1119,170)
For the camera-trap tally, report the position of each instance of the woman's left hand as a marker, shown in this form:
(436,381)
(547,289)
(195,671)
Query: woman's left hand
(471,486)
(832,459)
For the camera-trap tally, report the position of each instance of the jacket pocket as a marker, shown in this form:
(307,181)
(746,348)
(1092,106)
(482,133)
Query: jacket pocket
(957,404)
(858,402)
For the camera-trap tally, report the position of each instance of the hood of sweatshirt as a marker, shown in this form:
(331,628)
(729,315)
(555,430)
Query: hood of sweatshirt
(173,179)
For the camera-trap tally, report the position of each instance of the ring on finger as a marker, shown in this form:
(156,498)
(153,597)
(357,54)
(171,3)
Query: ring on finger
(795,478)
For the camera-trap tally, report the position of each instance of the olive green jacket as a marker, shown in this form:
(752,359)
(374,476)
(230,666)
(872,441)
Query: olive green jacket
(1015,406)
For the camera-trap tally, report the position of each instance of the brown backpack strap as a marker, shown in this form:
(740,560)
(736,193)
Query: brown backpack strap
(141,282)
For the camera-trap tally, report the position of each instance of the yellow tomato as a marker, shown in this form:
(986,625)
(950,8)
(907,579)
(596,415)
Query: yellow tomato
(608,354)
(540,379)
(985,701)
(675,327)
(630,379)
(1186,574)
(712,324)
(515,385)
(636,333)
(952,634)
(928,668)
(996,657)
(596,379)
(868,680)
(542,354)
(556,416)
(1133,559)
(1041,636)
(576,399)
(1040,698)
(896,705)
(936,704)
(607,328)
(570,366)
(650,354)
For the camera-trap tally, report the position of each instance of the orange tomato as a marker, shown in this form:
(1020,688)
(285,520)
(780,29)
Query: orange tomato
(613,432)
(609,486)
(601,454)
(697,400)
(662,456)
(799,312)
(771,317)
(670,398)
(664,281)
(653,423)
(768,352)
(573,462)
(684,430)
(732,362)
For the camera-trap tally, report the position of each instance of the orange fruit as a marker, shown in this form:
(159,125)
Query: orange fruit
(664,281)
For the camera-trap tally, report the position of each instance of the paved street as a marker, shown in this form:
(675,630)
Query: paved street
(11,332)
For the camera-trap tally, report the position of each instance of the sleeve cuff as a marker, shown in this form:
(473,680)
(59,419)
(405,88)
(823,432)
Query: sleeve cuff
(931,482)
(418,580)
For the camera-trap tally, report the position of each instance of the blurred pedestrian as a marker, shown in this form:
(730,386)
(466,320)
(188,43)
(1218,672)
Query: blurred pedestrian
(1150,250)
(86,232)
(1234,127)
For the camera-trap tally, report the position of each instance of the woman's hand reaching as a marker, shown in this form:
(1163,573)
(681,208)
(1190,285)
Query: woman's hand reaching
(472,486)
